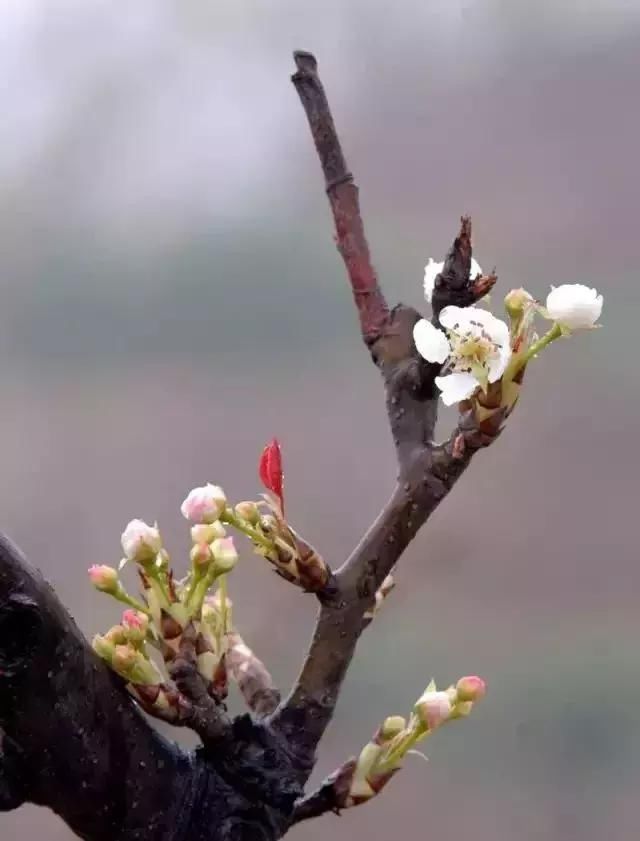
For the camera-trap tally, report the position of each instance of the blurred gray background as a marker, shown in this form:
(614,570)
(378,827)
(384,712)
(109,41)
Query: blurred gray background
(171,299)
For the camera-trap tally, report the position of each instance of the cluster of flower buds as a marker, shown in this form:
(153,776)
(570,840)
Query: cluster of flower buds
(358,780)
(196,608)
(484,358)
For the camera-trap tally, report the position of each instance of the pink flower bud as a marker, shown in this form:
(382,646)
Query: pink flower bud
(471,688)
(224,553)
(204,505)
(248,511)
(207,532)
(104,578)
(135,625)
(140,542)
(201,555)
(433,708)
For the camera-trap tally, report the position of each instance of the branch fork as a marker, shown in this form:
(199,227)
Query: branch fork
(68,724)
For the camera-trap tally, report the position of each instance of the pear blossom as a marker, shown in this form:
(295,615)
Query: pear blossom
(104,578)
(135,624)
(140,541)
(471,688)
(434,708)
(224,553)
(201,554)
(433,269)
(475,350)
(204,505)
(574,306)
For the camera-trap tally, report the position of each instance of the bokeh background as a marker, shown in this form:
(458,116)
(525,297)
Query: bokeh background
(171,299)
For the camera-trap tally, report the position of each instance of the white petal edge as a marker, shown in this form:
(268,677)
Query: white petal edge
(456,387)
(475,269)
(498,366)
(431,343)
(431,272)
(451,316)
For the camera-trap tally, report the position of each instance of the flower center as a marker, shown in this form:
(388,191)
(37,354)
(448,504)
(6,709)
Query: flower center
(472,351)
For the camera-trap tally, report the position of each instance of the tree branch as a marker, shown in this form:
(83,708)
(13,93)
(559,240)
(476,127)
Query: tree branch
(73,740)
(203,713)
(251,675)
(343,197)
(426,472)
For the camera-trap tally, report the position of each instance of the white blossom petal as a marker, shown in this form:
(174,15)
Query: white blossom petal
(431,343)
(498,365)
(456,387)
(431,272)
(433,269)
(574,306)
(472,318)
(475,269)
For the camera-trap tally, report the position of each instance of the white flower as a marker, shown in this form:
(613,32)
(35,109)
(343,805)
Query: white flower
(475,350)
(140,542)
(204,505)
(574,306)
(433,269)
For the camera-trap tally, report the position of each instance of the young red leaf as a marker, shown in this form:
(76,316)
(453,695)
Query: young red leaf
(270,470)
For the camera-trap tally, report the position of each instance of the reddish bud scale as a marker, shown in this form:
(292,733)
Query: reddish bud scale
(270,470)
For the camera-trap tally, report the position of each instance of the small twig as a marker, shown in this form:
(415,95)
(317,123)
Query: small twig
(203,714)
(328,797)
(251,675)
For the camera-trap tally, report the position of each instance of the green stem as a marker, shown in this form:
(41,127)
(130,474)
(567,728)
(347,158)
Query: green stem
(222,584)
(232,519)
(399,746)
(196,577)
(122,596)
(200,590)
(520,361)
(156,575)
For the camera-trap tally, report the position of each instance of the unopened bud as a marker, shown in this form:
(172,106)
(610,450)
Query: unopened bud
(471,688)
(201,555)
(225,554)
(204,505)
(135,625)
(102,647)
(104,578)
(516,301)
(124,658)
(268,523)
(433,709)
(248,511)
(207,532)
(116,635)
(391,726)
(141,542)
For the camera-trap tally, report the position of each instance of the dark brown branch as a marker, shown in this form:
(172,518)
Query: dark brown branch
(73,740)
(426,472)
(329,796)
(203,714)
(343,197)
(454,284)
